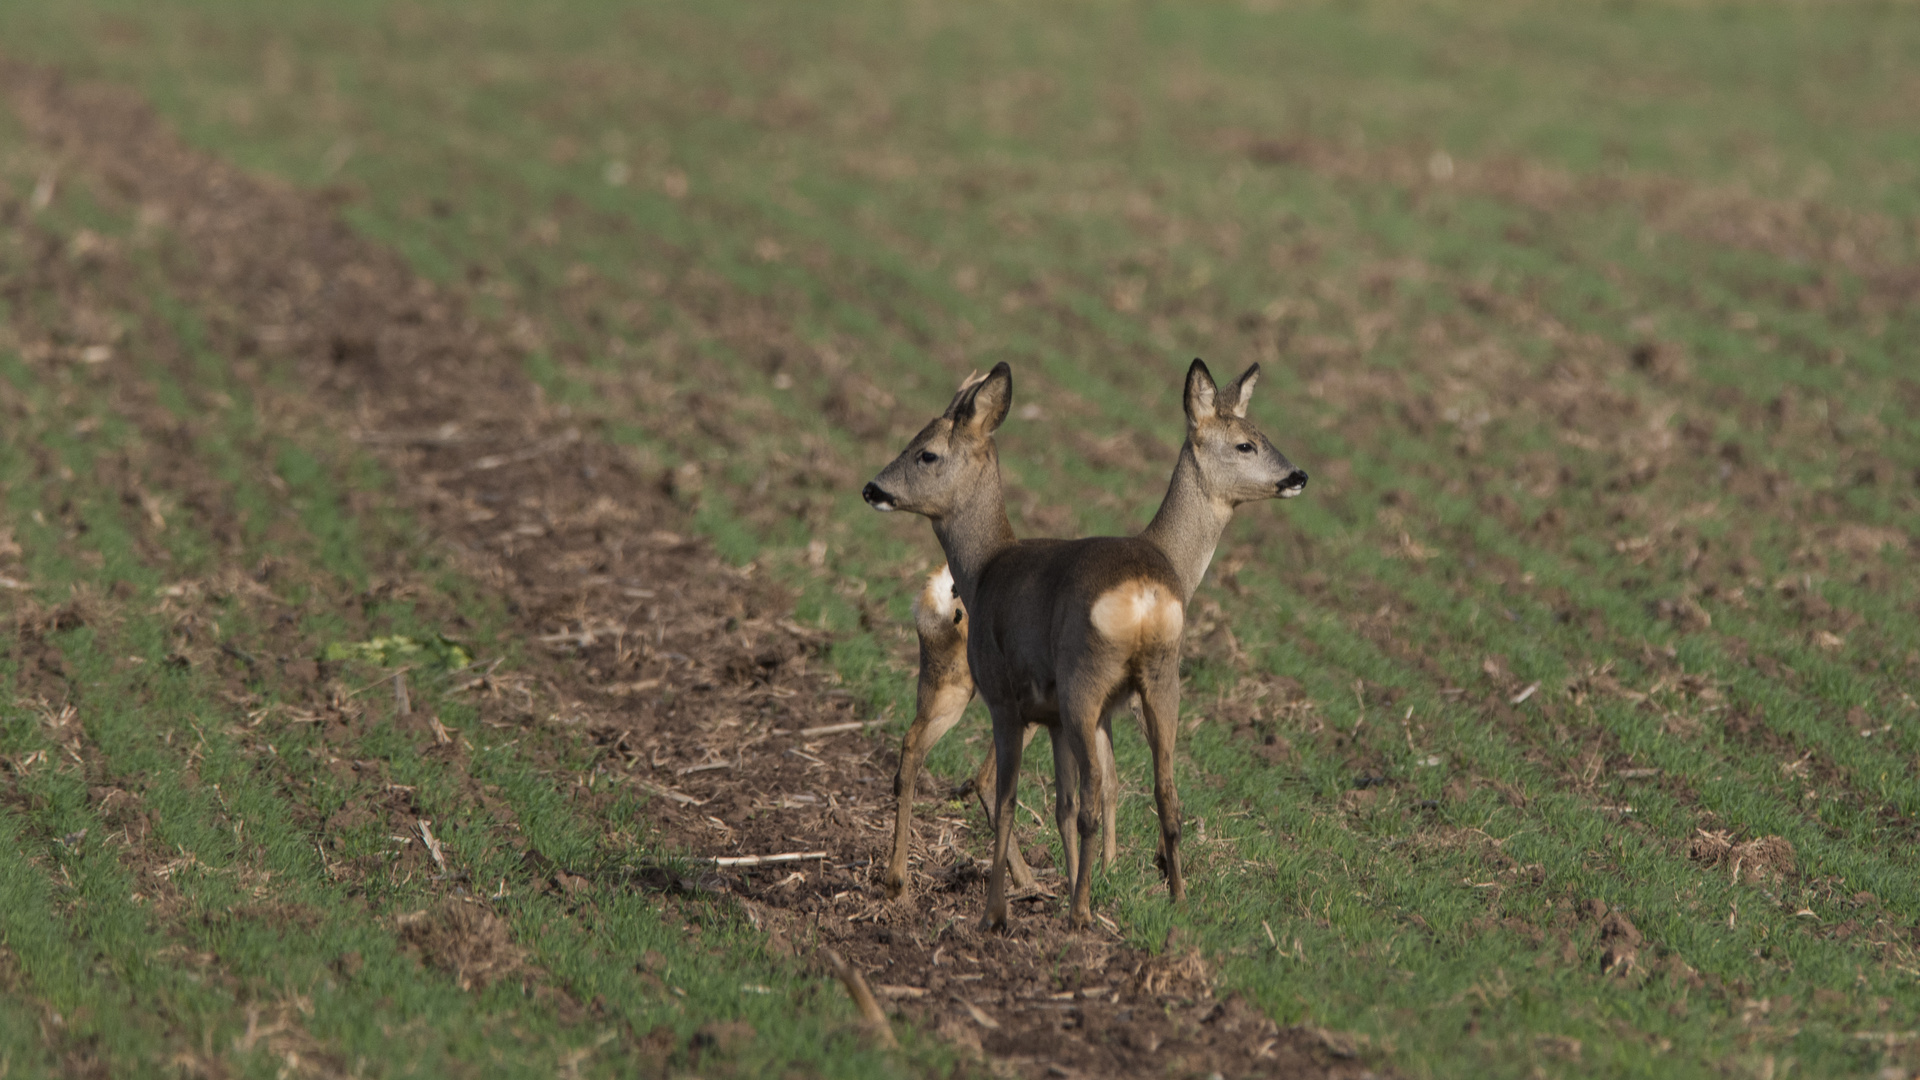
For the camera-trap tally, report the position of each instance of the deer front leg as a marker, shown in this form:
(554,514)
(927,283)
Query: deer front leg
(1160,707)
(1066,778)
(1008,729)
(983,782)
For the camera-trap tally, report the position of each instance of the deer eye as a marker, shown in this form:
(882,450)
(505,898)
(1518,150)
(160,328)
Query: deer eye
(1245,448)
(928,457)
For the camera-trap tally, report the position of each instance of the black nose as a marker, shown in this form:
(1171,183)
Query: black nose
(1294,481)
(874,495)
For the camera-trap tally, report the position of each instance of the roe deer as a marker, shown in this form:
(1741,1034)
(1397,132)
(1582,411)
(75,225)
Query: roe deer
(1064,631)
(945,688)
(1212,476)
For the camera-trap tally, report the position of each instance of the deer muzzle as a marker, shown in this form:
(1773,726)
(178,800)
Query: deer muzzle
(1290,485)
(877,497)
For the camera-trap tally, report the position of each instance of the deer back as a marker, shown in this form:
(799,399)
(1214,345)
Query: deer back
(1047,611)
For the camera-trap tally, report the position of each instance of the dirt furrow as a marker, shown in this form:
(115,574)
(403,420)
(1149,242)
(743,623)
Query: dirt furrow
(688,675)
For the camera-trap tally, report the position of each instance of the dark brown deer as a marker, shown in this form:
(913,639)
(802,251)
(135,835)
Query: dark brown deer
(945,688)
(1064,631)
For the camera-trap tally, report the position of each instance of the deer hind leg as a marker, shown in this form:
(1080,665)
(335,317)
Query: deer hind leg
(1008,744)
(1160,708)
(945,686)
(942,701)
(1066,801)
(1079,729)
(983,782)
(1110,808)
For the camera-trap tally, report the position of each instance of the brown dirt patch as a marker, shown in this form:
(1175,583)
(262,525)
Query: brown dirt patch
(1760,860)
(465,940)
(686,674)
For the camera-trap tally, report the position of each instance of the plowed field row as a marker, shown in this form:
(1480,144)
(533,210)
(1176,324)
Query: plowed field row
(1566,723)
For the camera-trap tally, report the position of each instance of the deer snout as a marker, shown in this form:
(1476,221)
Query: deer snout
(877,497)
(1292,484)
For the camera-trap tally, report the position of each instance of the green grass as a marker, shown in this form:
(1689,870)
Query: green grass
(875,196)
(215,928)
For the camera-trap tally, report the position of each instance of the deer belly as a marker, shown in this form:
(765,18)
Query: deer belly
(1041,700)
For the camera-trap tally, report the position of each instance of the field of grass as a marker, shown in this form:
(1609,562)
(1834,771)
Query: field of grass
(1565,725)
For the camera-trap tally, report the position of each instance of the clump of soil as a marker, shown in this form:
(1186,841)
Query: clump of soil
(1768,858)
(1178,971)
(1622,940)
(464,940)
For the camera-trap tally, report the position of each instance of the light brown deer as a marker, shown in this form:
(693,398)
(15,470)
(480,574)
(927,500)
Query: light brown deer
(1063,632)
(1187,529)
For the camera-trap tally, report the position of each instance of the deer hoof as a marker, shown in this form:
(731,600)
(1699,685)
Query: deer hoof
(991,925)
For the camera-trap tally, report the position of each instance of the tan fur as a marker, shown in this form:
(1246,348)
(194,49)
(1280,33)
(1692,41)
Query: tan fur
(1136,614)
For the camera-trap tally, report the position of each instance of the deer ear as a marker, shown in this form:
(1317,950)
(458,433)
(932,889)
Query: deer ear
(967,385)
(1200,393)
(980,406)
(1234,398)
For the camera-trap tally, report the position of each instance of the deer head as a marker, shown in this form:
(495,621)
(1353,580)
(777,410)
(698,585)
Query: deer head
(1236,462)
(953,458)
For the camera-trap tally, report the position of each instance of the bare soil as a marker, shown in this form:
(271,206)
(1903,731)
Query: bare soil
(686,675)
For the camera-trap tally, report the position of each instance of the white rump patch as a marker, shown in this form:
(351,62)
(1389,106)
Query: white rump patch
(1138,612)
(938,596)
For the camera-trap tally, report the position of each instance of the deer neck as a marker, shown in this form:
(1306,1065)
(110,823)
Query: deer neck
(974,532)
(1188,525)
